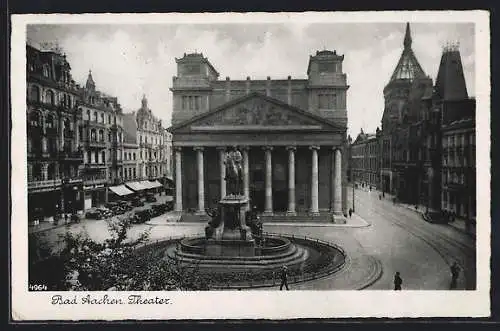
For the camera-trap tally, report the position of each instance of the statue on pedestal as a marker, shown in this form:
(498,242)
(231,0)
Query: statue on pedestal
(234,173)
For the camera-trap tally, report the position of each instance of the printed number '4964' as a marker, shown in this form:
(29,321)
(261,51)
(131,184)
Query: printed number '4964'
(37,287)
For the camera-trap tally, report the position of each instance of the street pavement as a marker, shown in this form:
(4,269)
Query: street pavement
(422,252)
(380,239)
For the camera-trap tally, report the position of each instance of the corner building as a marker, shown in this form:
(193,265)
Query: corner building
(54,154)
(291,132)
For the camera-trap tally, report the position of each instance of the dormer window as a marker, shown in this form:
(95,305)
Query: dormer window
(45,70)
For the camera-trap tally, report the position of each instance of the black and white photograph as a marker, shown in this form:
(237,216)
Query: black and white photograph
(283,165)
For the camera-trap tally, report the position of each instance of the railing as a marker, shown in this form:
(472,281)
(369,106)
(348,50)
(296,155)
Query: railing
(96,143)
(294,276)
(34,184)
(94,181)
(95,165)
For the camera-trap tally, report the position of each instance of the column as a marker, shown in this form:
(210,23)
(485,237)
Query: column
(201,181)
(337,198)
(291,181)
(222,167)
(246,178)
(178,179)
(268,209)
(314,181)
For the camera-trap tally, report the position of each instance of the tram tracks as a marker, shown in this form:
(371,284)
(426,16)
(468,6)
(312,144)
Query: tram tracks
(448,248)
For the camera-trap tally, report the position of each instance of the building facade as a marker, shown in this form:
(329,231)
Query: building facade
(155,149)
(458,176)
(54,154)
(365,167)
(292,134)
(102,138)
(403,130)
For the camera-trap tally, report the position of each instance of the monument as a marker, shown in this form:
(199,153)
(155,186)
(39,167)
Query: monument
(227,233)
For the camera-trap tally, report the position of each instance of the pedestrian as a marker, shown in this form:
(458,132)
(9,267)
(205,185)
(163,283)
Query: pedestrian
(380,197)
(397,282)
(350,212)
(455,271)
(284,278)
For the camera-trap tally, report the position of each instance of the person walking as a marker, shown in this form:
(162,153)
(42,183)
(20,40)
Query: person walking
(350,212)
(455,271)
(284,278)
(397,282)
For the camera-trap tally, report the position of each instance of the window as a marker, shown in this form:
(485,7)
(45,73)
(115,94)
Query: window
(93,135)
(184,102)
(101,135)
(109,136)
(102,118)
(34,93)
(88,114)
(134,157)
(191,105)
(134,171)
(69,101)
(35,119)
(95,116)
(109,119)
(50,121)
(49,97)
(45,70)
(197,104)
(103,157)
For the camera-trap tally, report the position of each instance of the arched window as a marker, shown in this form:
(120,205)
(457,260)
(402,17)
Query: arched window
(50,121)
(35,119)
(93,135)
(67,124)
(102,118)
(69,101)
(49,97)
(103,157)
(109,136)
(88,114)
(95,116)
(101,135)
(34,93)
(120,137)
(51,171)
(109,119)
(89,157)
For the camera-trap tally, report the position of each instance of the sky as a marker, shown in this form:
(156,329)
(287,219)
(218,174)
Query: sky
(129,60)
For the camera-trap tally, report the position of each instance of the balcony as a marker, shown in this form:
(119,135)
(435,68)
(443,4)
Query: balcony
(96,143)
(94,181)
(44,185)
(71,156)
(96,165)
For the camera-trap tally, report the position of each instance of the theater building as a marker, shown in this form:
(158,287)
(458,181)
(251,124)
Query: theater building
(291,132)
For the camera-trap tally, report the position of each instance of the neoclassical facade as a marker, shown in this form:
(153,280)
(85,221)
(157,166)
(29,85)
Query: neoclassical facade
(292,135)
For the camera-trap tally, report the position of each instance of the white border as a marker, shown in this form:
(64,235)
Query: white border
(247,304)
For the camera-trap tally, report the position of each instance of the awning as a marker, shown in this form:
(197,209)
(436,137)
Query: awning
(136,186)
(121,190)
(146,184)
(156,184)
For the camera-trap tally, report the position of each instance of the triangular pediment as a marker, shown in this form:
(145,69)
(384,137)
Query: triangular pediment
(256,112)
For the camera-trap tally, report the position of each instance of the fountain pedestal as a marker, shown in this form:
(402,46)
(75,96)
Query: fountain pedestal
(232,237)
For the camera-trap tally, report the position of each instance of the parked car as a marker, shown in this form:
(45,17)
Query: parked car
(150,197)
(142,215)
(94,214)
(158,209)
(137,202)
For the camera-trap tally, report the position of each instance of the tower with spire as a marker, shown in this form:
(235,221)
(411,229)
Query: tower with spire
(90,84)
(407,74)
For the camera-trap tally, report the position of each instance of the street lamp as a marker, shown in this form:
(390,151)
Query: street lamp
(353,183)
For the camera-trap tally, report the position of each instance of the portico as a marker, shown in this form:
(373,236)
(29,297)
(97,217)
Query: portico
(292,160)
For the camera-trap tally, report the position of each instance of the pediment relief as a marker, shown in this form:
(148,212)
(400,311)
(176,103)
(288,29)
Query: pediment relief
(256,112)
